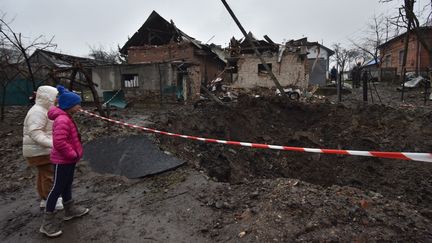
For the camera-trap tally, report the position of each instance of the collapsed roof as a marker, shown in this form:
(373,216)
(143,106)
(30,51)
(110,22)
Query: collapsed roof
(299,46)
(305,42)
(158,31)
(60,60)
(242,46)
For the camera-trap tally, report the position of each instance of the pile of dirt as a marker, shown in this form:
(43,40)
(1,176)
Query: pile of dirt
(321,125)
(288,210)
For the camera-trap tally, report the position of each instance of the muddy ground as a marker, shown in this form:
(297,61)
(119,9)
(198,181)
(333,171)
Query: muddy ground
(233,194)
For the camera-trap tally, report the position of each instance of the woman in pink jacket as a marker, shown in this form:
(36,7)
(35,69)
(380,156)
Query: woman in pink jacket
(66,152)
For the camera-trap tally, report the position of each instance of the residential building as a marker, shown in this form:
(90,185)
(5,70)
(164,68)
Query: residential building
(161,57)
(419,57)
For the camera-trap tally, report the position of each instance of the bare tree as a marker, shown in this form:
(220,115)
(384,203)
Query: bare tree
(409,20)
(25,46)
(15,56)
(377,33)
(344,57)
(7,71)
(109,56)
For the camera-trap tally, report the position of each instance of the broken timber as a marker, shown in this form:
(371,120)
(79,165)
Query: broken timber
(248,38)
(213,97)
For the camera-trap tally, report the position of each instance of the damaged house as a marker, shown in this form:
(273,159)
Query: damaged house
(48,68)
(161,61)
(72,71)
(291,63)
(318,59)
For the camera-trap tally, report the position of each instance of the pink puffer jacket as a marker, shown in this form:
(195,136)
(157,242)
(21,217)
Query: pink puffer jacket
(67,148)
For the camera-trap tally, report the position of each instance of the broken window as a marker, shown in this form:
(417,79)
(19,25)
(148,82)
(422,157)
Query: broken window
(262,70)
(130,81)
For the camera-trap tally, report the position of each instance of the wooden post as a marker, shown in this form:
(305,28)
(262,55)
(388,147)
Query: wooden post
(403,76)
(427,86)
(212,96)
(72,78)
(339,86)
(160,85)
(108,116)
(94,93)
(365,87)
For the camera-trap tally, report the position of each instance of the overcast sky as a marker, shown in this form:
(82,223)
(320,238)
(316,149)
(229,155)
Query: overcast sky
(78,24)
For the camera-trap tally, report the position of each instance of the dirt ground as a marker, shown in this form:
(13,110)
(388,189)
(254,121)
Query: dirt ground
(233,194)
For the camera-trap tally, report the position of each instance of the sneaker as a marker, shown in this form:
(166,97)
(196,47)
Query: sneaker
(42,204)
(73,211)
(51,227)
(59,204)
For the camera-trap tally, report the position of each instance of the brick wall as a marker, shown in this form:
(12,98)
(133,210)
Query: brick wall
(209,66)
(174,51)
(290,72)
(394,49)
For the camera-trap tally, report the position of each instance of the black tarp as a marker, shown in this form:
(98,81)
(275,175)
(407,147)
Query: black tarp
(132,156)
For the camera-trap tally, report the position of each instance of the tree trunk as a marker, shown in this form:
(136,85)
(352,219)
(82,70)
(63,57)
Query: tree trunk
(404,60)
(72,78)
(94,93)
(30,70)
(3,101)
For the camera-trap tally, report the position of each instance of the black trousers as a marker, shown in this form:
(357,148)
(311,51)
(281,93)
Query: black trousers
(63,178)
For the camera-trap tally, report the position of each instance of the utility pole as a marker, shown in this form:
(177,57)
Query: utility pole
(248,38)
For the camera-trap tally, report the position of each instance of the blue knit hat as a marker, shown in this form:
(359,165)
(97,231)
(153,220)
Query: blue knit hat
(67,99)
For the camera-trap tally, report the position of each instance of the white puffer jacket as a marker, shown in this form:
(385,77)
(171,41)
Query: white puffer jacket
(37,129)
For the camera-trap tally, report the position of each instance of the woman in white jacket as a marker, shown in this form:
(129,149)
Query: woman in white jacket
(37,141)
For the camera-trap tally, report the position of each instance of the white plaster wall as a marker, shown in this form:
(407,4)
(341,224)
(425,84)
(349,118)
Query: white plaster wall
(313,53)
(107,75)
(291,71)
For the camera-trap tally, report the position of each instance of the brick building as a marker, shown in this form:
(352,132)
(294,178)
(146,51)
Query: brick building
(418,58)
(187,62)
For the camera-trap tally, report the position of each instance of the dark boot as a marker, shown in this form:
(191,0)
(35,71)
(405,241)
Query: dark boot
(73,211)
(51,226)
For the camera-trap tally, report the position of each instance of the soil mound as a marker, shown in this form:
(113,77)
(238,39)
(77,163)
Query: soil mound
(278,121)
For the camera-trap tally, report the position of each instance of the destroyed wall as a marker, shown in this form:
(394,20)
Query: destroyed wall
(191,86)
(147,84)
(162,53)
(318,61)
(142,82)
(203,66)
(291,71)
(184,51)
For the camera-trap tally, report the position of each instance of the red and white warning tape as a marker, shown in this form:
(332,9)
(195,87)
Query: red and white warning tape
(425,157)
